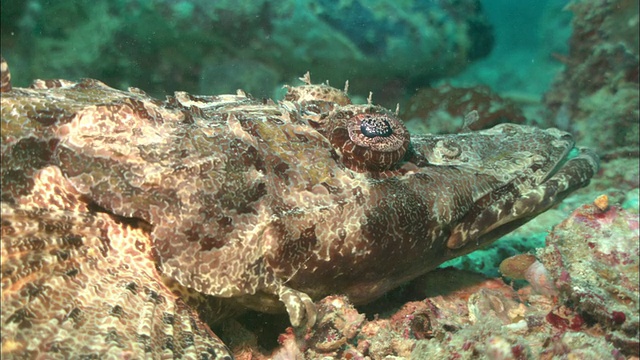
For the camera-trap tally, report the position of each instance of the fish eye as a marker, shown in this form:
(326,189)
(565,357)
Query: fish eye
(369,138)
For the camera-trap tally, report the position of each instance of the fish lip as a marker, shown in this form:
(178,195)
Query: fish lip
(571,151)
(565,140)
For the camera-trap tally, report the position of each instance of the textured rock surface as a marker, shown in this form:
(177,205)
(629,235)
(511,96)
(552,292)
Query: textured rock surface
(216,47)
(593,258)
(442,109)
(596,97)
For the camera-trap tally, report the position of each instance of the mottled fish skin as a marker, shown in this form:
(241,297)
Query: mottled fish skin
(257,200)
(81,284)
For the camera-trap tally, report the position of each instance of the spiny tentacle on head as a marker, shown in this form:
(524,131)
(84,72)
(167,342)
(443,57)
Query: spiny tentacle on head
(368,137)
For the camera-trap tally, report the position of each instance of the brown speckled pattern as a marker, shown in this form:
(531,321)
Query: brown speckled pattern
(235,197)
(81,284)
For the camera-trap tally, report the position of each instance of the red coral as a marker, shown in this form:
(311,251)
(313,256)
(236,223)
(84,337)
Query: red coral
(618,317)
(563,318)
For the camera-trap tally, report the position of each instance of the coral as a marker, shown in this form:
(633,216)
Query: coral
(516,266)
(337,324)
(596,97)
(593,258)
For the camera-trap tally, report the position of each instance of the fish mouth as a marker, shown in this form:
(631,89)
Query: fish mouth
(571,172)
(565,140)
(511,173)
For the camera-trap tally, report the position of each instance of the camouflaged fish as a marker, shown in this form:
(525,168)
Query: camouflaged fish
(119,210)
